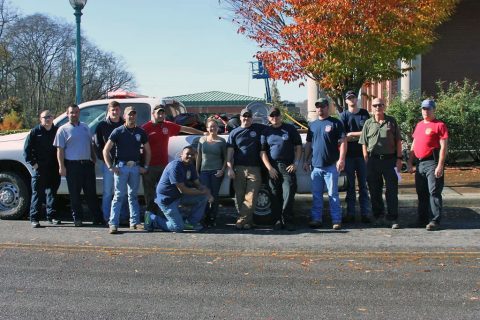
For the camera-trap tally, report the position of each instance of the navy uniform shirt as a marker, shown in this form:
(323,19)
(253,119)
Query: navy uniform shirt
(102,133)
(246,145)
(325,136)
(280,143)
(354,122)
(175,172)
(128,142)
(39,147)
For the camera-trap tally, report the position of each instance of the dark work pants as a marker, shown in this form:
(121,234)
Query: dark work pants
(429,191)
(356,167)
(45,183)
(377,171)
(283,192)
(81,176)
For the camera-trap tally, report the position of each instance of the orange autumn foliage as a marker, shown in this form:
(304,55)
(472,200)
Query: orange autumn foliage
(341,44)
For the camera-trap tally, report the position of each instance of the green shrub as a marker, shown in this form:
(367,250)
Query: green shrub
(458,105)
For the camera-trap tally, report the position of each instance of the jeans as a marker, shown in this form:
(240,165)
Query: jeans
(126,186)
(81,176)
(325,176)
(283,192)
(377,171)
(429,191)
(45,183)
(150,180)
(247,182)
(208,179)
(107,196)
(172,219)
(356,167)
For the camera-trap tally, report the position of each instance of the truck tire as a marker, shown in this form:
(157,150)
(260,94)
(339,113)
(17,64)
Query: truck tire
(14,196)
(263,214)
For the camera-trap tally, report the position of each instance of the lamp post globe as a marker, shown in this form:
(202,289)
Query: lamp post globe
(78,5)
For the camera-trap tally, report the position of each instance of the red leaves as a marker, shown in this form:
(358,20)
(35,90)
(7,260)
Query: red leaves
(335,41)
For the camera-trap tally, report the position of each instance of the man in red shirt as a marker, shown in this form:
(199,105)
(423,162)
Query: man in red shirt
(159,132)
(429,148)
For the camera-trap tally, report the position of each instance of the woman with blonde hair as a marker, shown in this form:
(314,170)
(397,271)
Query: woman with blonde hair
(211,163)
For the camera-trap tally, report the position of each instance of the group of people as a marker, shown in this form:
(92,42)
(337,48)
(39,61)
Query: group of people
(367,148)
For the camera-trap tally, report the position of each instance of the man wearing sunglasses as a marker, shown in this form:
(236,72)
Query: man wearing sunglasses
(382,151)
(40,153)
(326,138)
(429,148)
(281,152)
(244,166)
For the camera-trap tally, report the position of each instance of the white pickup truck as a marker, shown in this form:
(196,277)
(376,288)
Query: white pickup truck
(15,173)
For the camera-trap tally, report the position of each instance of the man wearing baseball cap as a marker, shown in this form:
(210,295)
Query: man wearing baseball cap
(244,167)
(429,148)
(128,140)
(281,153)
(325,151)
(159,131)
(353,120)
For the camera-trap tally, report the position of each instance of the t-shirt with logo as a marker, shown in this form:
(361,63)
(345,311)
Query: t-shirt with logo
(175,172)
(279,143)
(427,137)
(128,142)
(354,122)
(158,137)
(325,136)
(246,145)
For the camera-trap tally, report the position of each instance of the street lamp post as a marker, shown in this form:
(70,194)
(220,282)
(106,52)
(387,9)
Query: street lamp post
(78,5)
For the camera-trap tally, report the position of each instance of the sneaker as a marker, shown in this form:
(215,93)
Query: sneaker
(35,224)
(315,224)
(136,226)
(432,226)
(54,221)
(395,225)
(366,219)
(278,225)
(78,223)
(337,226)
(147,222)
(113,230)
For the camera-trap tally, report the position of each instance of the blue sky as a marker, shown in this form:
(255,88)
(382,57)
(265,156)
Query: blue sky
(172,47)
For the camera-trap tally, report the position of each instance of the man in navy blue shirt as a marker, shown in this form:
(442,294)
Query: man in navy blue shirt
(281,152)
(179,185)
(244,167)
(326,137)
(353,120)
(103,131)
(128,140)
(40,153)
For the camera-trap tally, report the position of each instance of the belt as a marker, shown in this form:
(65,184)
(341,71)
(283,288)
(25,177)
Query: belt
(430,157)
(383,156)
(127,164)
(79,161)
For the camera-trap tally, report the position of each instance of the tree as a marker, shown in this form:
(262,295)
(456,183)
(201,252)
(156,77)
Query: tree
(341,44)
(276,99)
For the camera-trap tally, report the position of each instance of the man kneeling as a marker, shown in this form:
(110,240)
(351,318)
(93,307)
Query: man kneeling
(179,185)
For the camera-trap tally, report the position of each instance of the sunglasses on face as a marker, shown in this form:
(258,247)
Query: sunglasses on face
(247,116)
(274,114)
(321,106)
(377,105)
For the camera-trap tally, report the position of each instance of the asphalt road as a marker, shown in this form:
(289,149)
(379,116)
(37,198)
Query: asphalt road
(63,272)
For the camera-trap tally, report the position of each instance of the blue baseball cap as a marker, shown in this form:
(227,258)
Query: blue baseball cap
(428,104)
